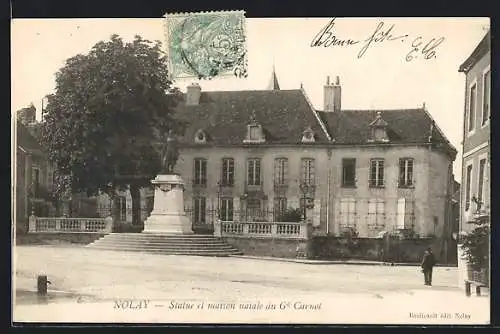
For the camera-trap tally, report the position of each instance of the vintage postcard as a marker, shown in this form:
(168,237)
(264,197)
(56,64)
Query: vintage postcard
(214,168)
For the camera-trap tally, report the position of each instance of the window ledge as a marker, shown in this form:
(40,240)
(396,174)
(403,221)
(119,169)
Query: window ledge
(349,186)
(254,141)
(407,187)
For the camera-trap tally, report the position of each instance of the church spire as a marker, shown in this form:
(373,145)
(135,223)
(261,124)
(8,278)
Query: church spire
(273,84)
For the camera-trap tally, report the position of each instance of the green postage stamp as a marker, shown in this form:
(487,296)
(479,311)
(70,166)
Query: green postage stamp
(207,44)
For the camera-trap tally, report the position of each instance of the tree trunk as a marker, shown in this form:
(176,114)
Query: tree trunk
(135,193)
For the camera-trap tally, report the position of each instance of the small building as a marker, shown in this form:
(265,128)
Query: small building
(33,178)
(475,192)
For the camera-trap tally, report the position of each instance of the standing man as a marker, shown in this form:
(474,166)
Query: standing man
(428,262)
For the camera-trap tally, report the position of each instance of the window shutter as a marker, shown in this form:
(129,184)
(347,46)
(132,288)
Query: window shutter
(317,212)
(257,172)
(380,207)
(203,209)
(373,173)
(285,170)
(380,173)
(250,172)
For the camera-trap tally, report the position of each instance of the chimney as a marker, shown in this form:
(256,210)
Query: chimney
(193,94)
(332,95)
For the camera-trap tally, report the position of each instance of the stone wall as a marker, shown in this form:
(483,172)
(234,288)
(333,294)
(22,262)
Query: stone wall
(282,248)
(370,249)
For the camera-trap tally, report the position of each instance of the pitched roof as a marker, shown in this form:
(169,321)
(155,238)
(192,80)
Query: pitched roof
(403,125)
(26,140)
(481,49)
(224,115)
(285,114)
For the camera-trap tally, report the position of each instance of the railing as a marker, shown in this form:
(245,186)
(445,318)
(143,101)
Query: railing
(69,225)
(210,215)
(278,230)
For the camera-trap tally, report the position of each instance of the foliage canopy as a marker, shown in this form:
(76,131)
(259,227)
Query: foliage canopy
(110,110)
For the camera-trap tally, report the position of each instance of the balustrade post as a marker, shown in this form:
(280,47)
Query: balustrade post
(109,224)
(58,224)
(218,228)
(246,229)
(32,223)
(274,229)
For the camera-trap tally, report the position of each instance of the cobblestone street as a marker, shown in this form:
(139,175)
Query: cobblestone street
(106,276)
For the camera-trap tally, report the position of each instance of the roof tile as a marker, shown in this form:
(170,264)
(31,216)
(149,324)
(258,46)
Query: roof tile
(283,114)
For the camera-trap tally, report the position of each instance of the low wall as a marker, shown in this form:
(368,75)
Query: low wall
(283,248)
(69,225)
(384,249)
(54,238)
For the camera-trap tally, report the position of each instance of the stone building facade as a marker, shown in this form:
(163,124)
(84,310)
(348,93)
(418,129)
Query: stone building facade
(476,135)
(33,178)
(250,155)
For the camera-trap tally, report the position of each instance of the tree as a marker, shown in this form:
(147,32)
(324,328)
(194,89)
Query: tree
(110,110)
(476,245)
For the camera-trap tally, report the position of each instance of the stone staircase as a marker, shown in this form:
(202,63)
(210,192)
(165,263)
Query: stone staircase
(168,244)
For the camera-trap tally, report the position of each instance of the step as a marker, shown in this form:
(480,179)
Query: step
(173,252)
(168,244)
(167,247)
(176,240)
(186,240)
(139,243)
(163,242)
(161,239)
(170,250)
(161,235)
(161,246)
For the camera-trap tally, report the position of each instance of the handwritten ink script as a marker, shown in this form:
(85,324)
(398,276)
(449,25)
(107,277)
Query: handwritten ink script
(420,47)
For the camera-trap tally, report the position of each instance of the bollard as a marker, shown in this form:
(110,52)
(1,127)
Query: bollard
(42,285)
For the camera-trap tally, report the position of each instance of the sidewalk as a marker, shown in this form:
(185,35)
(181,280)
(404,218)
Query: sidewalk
(346,262)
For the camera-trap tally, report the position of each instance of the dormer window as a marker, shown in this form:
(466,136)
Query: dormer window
(379,129)
(200,137)
(308,136)
(255,134)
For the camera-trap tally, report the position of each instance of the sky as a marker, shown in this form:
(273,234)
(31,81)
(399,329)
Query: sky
(382,78)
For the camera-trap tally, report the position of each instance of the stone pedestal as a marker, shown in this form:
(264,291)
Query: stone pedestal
(168,214)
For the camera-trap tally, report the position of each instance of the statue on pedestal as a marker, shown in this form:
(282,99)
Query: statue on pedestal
(169,154)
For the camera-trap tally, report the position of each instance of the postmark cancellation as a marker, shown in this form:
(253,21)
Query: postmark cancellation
(204,45)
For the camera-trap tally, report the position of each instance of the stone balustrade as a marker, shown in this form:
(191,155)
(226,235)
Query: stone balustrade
(276,230)
(69,225)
